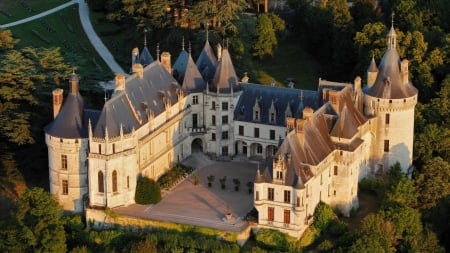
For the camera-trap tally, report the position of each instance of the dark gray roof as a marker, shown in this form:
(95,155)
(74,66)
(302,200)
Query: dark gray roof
(207,62)
(145,58)
(70,122)
(225,77)
(264,95)
(389,83)
(130,109)
(187,73)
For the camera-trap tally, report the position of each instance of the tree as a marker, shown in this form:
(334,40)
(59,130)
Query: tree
(323,215)
(6,40)
(39,220)
(26,76)
(433,182)
(266,39)
(147,191)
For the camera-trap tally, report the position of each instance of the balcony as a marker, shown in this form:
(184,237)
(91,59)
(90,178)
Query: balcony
(196,130)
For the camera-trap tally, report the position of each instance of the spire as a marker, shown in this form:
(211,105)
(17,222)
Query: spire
(182,43)
(207,35)
(392,36)
(157,51)
(190,48)
(145,37)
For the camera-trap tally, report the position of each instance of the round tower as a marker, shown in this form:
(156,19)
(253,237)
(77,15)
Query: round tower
(389,103)
(67,143)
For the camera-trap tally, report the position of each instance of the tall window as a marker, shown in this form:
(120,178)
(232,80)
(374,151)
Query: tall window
(241,130)
(259,149)
(65,187)
(99,148)
(224,106)
(272,134)
(114,148)
(213,105)
(272,117)
(257,195)
(386,145)
(280,175)
(270,193)
(287,196)
(225,150)
(128,182)
(270,213)
(335,170)
(224,120)
(256,115)
(194,100)
(287,216)
(387,119)
(64,162)
(213,136)
(114,181)
(298,202)
(213,120)
(101,186)
(256,132)
(225,135)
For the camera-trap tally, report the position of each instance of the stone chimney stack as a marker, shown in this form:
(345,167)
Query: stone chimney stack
(119,82)
(57,95)
(405,71)
(139,70)
(73,84)
(308,114)
(299,130)
(165,61)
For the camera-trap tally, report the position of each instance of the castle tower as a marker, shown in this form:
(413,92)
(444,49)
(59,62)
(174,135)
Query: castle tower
(67,142)
(390,103)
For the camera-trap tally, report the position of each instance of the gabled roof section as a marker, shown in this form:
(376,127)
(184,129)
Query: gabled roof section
(145,58)
(281,97)
(141,98)
(207,62)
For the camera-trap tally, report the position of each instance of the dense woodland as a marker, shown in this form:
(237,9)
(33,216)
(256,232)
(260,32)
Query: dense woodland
(414,215)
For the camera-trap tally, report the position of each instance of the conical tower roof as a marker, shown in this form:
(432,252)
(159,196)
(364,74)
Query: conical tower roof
(225,78)
(207,62)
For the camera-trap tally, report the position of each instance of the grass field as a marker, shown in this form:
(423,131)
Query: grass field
(63,29)
(11,11)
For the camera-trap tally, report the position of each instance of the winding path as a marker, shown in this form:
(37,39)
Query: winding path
(96,42)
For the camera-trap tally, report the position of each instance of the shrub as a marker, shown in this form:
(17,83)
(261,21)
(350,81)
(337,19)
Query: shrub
(210,180)
(147,191)
(325,246)
(237,183)
(272,239)
(309,236)
(223,181)
(337,228)
(323,215)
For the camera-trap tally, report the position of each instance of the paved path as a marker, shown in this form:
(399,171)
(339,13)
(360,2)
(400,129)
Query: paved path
(96,42)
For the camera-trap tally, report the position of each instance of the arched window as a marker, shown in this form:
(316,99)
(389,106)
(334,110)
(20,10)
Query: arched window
(101,187)
(114,181)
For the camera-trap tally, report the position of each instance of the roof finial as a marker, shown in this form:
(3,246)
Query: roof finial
(301,96)
(145,37)
(207,35)
(73,70)
(190,47)
(182,43)
(157,51)
(392,19)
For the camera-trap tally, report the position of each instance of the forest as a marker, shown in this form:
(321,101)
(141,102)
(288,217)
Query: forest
(414,214)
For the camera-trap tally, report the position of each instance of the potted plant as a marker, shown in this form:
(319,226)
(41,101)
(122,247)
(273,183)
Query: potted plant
(237,183)
(210,180)
(223,181)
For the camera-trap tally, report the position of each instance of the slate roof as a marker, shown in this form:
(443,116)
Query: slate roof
(130,108)
(225,78)
(70,122)
(207,62)
(264,95)
(187,73)
(145,58)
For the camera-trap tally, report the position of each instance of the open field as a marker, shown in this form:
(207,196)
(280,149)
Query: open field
(11,11)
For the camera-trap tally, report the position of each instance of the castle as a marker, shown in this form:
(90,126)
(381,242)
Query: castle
(322,142)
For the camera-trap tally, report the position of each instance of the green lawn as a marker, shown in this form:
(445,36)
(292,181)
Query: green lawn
(63,29)
(290,60)
(11,11)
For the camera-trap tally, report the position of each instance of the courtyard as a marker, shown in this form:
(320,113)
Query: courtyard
(201,205)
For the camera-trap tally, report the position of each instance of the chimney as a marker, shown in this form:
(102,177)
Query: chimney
(165,61)
(357,84)
(299,130)
(57,101)
(73,83)
(119,82)
(333,99)
(290,123)
(308,114)
(134,56)
(139,70)
(219,52)
(405,71)
(245,78)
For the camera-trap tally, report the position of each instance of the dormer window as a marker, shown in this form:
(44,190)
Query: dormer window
(256,111)
(288,112)
(272,113)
